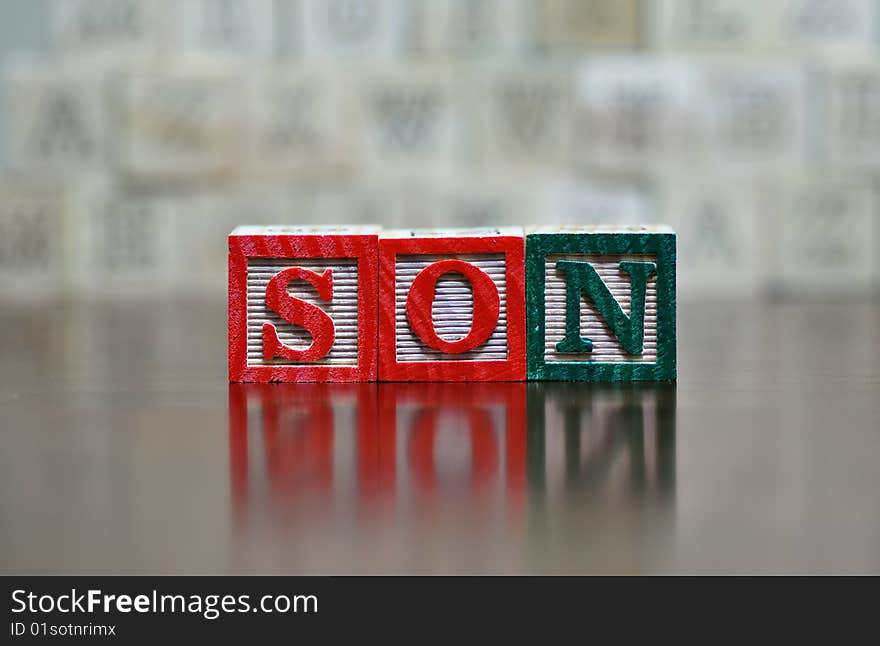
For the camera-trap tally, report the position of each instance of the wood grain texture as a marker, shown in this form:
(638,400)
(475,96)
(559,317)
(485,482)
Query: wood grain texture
(405,357)
(254,252)
(605,247)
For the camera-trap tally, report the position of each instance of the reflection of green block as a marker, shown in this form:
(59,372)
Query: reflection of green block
(600,303)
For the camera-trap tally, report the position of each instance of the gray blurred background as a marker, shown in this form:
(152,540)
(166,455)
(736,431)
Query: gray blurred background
(136,134)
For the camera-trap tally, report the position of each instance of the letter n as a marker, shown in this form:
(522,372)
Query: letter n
(582,277)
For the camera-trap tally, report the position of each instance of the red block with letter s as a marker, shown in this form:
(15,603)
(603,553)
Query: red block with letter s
(302,303)
(452,305)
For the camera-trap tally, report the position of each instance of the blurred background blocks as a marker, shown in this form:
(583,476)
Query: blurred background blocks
(355,30)
(34,220)
(238,30)
(755,114)
(852,116)
(441,113)
(179,124)
(723,235)
(57,120)
(527,118)
(709,25)
(112,29)
(635,112)
(410,118)
(301,123)
(825,237)
(585,24)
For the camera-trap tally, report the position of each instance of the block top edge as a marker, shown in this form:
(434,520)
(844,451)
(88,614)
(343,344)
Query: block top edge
(304,230)
(453,232)
(601,228)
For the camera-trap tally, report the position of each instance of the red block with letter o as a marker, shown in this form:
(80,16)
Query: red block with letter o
(452,305)
(302,303)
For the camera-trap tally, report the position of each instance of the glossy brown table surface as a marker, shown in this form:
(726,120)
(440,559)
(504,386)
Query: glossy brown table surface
(124,450)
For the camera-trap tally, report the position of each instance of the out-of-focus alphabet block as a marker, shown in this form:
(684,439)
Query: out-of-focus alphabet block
(179,125)
(123,243)
(839,29)
(755,114)
(355,29)
(410,118)
(635,113)
(709,24)
(301,122)
(111,29)
(852,124)
(823,235)
(33,249)
(591,201)
(57,120)
(527,117)
(587,24)
(720,249)
(227,27)
(458,27)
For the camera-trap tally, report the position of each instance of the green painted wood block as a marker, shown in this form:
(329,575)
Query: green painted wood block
(600,303)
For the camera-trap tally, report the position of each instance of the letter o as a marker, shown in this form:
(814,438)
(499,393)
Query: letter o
(419,302)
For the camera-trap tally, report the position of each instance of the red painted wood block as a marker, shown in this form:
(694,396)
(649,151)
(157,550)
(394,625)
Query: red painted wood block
(302,303)
(452,305)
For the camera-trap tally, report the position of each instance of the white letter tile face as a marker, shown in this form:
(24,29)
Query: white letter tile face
(452,310)
(343,309)
(606,346)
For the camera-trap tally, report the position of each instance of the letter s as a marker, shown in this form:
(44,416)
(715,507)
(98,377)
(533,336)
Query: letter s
(299,312)
(22,605)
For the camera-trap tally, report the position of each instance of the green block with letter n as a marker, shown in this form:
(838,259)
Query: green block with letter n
(600,303)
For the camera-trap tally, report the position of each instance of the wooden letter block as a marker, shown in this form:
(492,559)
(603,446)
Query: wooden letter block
(302,304)
(180,124)
(601,303)
(452,305)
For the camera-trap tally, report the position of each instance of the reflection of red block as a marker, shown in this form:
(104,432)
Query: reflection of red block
(492,418)
(452,305)
(302,304)
(286,436)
